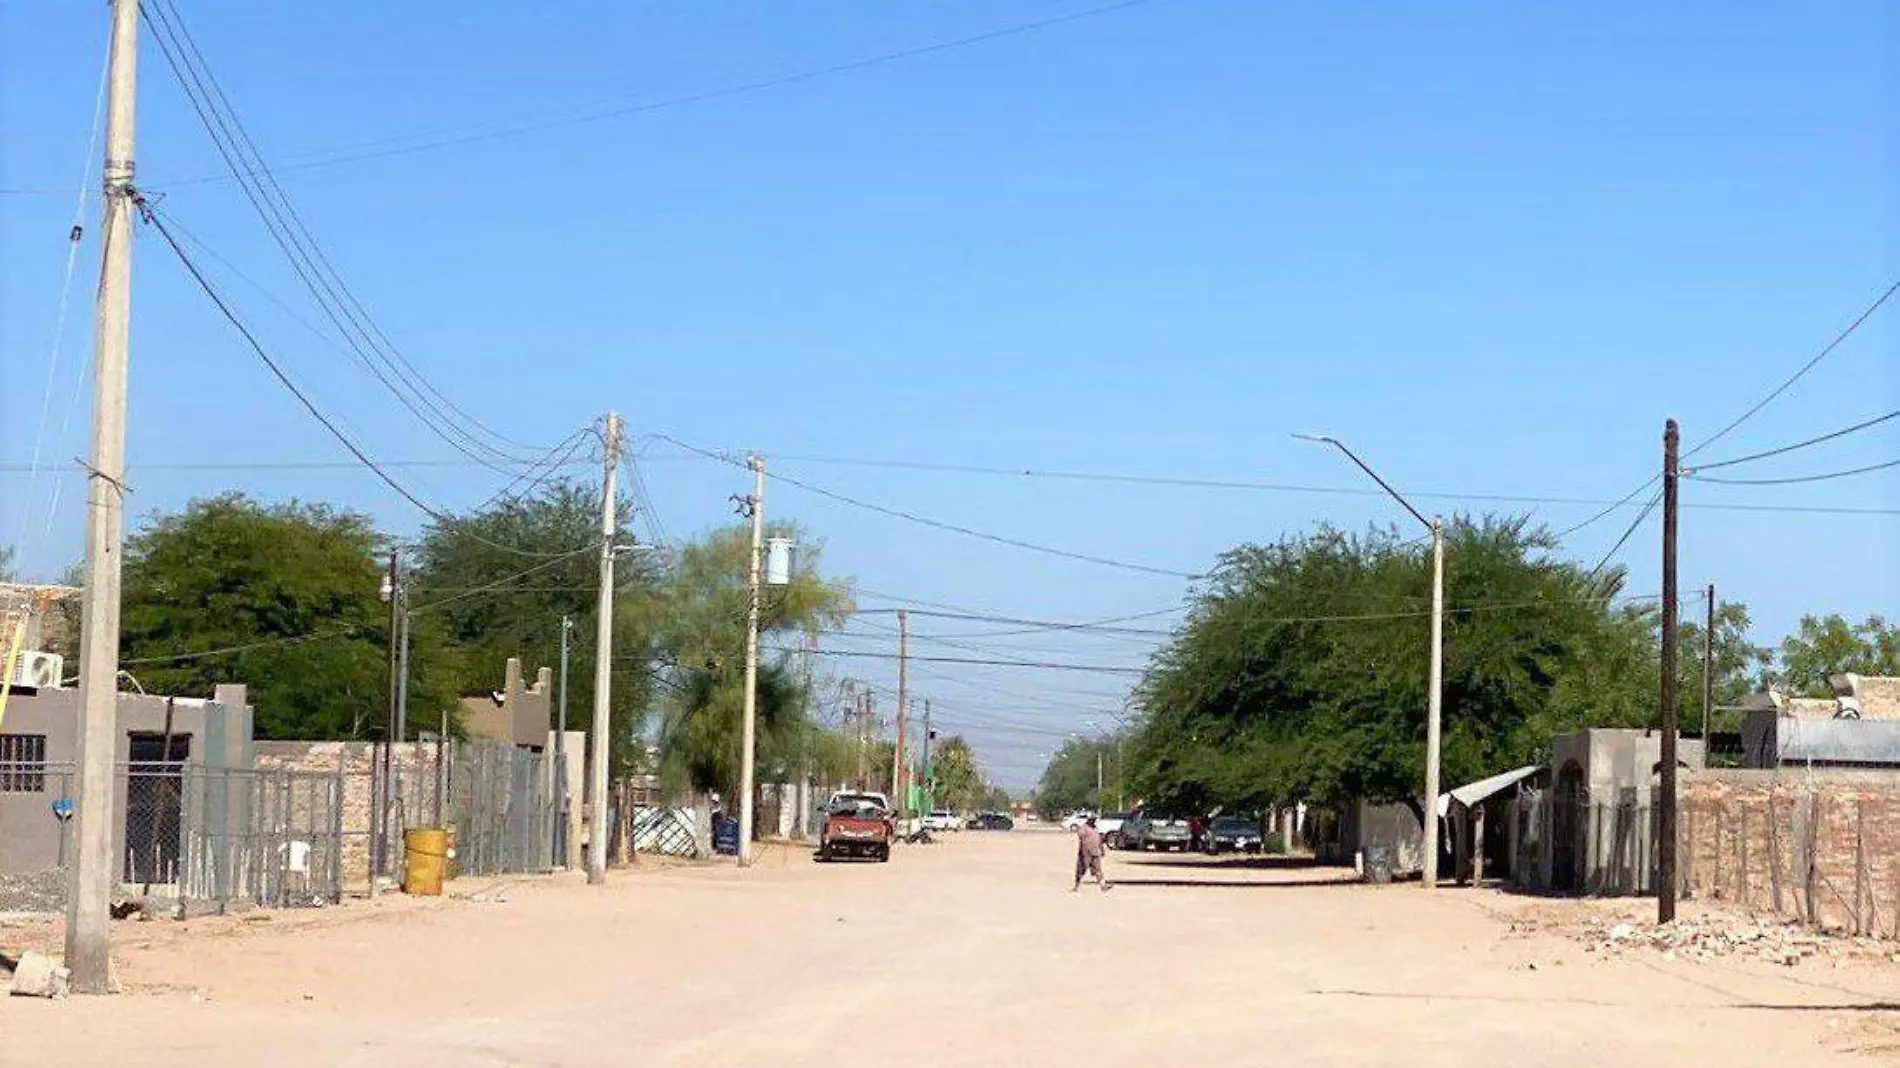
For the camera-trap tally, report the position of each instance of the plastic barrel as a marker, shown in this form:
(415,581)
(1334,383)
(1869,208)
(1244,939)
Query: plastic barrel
(425,855)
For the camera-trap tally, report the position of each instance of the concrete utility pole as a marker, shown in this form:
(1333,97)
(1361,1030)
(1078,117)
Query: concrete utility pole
(1671,609)
(561,799)
(1434,714)
(392,592)
(88,933)
(1098,778)
(900,795)
(747,743)
(600,737)
(1708,672)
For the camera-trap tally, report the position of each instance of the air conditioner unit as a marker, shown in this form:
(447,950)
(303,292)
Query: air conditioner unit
(39,671)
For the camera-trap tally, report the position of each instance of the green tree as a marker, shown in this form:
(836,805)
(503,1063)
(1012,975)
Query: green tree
(289,592)
(1830,645)
(700,613)
(1068,781)
(1301,671)
(959,781)
(6,563)
(487,602)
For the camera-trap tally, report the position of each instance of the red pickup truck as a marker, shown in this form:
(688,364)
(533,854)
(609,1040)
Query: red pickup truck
(857,825)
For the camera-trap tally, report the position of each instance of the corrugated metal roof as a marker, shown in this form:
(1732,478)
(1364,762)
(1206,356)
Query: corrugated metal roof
(1472,793)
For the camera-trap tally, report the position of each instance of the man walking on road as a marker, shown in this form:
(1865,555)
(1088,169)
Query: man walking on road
(1088,854)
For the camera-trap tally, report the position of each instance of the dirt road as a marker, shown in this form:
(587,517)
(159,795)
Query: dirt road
(968,953)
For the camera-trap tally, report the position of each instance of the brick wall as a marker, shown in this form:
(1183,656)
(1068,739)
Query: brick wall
(1822,846)
(413,767)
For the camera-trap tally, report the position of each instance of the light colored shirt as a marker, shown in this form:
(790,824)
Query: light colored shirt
(1088,840)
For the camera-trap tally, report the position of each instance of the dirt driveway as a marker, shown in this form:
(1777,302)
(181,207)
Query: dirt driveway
(968,953)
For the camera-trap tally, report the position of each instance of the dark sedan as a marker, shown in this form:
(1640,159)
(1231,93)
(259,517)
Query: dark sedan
(1233,834)
(990,821)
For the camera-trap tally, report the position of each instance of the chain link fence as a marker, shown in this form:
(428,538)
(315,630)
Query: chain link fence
(204,836)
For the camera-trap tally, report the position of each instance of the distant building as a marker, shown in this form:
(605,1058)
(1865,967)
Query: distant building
(517,715)
(1859,727)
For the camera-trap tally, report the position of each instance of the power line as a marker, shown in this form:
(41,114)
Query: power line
(1764,454)
(449,138)
(939,524)
(155,220)
(306,256)
(1823,477)
(1046,664)
(1826,350)
(1620,542)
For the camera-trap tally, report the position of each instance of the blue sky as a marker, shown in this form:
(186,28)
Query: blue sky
(1491,246)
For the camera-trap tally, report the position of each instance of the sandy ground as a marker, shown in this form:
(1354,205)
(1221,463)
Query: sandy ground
(972,953)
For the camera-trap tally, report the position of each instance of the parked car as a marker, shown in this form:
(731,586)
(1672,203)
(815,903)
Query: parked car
(855,826)
(942,820)
(1110,825)
(1077,819)
(990,821)
(1233,834)
(1144,832)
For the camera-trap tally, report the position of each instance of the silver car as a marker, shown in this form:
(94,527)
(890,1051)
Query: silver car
(1145,832)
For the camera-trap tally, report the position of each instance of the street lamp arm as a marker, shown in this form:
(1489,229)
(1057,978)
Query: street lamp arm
(1383,484)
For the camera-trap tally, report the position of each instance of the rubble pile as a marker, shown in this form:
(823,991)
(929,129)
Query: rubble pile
(1708,937)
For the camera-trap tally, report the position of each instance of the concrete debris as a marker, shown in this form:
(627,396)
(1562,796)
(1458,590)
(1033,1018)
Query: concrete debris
(36,976)
(1708,937)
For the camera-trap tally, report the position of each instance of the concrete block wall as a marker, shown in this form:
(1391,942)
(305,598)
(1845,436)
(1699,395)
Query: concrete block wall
(1823,847)
(413,765)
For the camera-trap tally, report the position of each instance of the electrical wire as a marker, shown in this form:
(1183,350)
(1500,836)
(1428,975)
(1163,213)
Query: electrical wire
(938,524)
(1620,542)
(1766,453)
(157,221)
(1826,350)
(61,308)
(600,112)
(1045,664)
(1826,476)
(300,247)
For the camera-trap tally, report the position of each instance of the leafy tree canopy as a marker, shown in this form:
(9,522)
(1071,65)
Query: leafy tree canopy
(1830,645)
(1301,672)
(291,590)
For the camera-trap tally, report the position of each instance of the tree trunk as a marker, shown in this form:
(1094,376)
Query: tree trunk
(702,823)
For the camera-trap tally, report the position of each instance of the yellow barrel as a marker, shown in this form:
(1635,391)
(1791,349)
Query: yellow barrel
(425,854)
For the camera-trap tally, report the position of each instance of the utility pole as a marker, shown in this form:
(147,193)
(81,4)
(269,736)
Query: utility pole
(1098,778)
(1708,672)
(392,592)
(930,774)
(88,930)
(402,673)
(562,801)
(747,743)
(899,780)
(600,737)
(1666,816)
(1434,715)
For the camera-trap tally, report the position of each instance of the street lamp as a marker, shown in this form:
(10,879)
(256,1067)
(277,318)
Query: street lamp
(1433,718)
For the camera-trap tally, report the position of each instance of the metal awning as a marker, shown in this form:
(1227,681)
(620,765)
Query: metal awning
(1473,793)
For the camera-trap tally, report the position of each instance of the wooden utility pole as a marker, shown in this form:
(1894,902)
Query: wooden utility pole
(1708,672)
(747,742)
(1671,610)
(600,737)
(88,908)
(900,797)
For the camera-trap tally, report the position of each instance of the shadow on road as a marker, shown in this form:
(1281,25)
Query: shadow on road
(1234,884)
(1240,863)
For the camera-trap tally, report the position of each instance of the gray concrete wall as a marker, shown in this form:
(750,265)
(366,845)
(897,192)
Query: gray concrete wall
(217,732)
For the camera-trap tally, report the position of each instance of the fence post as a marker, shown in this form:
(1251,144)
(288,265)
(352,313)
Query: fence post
(1860,866)
(1687,859)
(1813,852)
(1774,852)
(1741,848)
